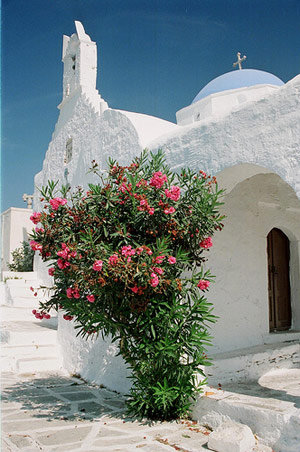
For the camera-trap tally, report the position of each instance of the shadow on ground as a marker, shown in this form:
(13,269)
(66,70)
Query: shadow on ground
(64,398)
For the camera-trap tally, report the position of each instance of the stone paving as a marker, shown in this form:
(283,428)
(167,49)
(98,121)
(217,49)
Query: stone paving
(55,412)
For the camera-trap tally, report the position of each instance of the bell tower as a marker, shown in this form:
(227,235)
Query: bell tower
(79,56)
(80,62)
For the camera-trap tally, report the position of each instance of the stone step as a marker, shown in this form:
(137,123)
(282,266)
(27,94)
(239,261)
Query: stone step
(20,291)
(26,283)
(25,365)
(11,313)
(25,351)
(30,364)
(25,302)
(251,363)
(274,415)
(9,275)
(15,314)
(27,333)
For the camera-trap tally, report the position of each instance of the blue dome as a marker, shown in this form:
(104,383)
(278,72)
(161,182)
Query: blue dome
(238,79)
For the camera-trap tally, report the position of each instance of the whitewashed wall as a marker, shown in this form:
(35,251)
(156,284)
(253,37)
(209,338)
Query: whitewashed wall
(238,258)
(264,133)
(215,105)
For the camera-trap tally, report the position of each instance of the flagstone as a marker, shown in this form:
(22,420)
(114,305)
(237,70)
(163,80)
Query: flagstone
(62,436)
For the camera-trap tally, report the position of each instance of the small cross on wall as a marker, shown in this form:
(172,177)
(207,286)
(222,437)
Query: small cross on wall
(239,60)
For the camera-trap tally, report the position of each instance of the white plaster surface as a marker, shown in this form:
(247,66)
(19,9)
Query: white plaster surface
(93,359)
(219,104)
(239,259)
(15,226)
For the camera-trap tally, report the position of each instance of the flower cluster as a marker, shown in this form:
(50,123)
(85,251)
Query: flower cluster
(97,265)
(158,179)
(41,315)
(72,293)
(56,202)
(35,246)
(173,193)
(206,243)
(36,217)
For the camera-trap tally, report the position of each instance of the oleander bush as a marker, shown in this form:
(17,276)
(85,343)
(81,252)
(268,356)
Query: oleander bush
(127,258)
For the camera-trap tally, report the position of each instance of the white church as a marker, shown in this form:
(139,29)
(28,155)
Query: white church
(244,128)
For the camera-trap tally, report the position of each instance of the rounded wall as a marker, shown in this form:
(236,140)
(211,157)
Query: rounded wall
(94,359)
(238,258)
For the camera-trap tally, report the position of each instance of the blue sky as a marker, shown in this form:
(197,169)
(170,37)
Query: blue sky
(154,56)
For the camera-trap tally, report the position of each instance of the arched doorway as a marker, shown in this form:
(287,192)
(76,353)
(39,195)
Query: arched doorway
(279,280)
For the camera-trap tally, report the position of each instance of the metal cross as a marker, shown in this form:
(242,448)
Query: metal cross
(239,60)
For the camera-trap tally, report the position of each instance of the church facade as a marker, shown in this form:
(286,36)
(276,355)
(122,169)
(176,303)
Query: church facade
(244,128)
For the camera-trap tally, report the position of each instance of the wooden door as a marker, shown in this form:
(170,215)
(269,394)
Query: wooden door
(279,280)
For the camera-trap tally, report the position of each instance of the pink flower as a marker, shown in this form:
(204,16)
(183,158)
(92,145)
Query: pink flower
(112,260)
(134,289)
(172,260)
(35,246)
(39,230)
(206,243)
(173,193)
(76,293)
(203,284)
(154,281)
(159,259)
(69,292)
(62,264)
(127,251)
(149,252)
(158,179)
(98,266)
(68,317)
(64,253)
(56,202)
(91,298)
(51,271)
(36,217)
(151,211)
(170,210)
(158,270)
(139,250)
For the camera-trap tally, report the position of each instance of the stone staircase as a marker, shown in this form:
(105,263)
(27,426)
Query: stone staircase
(28,345)
(259,387)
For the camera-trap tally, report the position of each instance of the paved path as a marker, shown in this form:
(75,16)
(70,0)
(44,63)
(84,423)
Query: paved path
(48,412)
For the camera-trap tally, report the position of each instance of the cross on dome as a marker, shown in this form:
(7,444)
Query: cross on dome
(239,60)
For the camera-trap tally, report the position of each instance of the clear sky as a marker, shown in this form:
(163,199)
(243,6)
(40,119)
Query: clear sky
(154,56)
